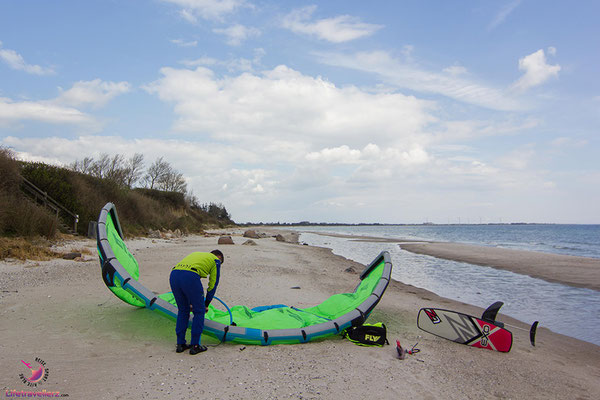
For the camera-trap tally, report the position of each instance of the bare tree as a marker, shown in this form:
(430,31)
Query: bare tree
(115,170)
(134,169)
(156,172)
(126,172)
(84,166)
(172,181)
(100,166)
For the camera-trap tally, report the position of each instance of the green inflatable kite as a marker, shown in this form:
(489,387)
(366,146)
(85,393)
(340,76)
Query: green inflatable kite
(266,325)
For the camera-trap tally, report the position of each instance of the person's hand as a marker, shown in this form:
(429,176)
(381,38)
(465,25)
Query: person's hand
(206,309)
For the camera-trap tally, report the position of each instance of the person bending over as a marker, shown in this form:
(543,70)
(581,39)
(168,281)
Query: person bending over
(188,291)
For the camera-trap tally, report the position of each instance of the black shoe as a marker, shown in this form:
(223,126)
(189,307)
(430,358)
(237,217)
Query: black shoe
(182,347)
(197,349)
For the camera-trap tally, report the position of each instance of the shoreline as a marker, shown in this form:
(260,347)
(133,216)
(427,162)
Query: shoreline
(564,308)
(577,271)
(583,272)
(96,346)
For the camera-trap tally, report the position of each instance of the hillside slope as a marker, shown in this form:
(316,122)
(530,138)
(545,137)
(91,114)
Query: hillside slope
(139,209)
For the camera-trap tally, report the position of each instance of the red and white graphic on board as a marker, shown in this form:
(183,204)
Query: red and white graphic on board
(492,337)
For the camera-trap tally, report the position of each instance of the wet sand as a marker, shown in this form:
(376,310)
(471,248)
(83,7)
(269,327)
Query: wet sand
(575,271)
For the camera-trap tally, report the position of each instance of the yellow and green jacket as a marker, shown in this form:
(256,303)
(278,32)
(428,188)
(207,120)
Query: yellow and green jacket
(205,265)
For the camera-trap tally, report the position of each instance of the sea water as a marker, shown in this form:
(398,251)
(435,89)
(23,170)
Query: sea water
(564,309)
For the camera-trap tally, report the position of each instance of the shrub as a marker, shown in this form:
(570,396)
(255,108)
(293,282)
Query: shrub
(21,217)
(53,180)
(18,215)
(139,209)
(10,177)
(174,199)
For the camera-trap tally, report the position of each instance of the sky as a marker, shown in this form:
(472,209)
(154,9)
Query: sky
(334,111)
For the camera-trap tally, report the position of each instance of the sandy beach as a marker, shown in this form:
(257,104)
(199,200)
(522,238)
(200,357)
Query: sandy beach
(97,347)
(569,270)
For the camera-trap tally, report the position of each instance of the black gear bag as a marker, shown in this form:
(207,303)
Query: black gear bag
(367,334)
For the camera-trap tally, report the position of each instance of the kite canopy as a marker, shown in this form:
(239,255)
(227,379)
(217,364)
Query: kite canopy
(265,325)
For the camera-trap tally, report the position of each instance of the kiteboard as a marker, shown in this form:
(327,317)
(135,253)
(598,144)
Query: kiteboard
(484,332)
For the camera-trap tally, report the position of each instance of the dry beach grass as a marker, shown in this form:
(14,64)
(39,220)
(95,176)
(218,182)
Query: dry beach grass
(99,347)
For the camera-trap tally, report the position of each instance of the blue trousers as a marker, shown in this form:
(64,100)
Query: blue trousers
(187,289)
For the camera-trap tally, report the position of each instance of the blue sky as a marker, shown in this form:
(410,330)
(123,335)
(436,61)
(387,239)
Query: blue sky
(337,111)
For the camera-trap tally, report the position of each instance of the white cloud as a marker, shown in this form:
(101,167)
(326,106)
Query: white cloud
(202,61)
(407,52)
(305,176)
(15,61)
(466,130)
(183,43)
(95,93)
(237,33)
(342,154)
(549,185)
(568,142)
(11,112)
(408,75)
(295,137)
(64,109)
(518,159)
(214,171)
(503,14)
(284,105)
(233,65)
(537,70)
(370,154)
(191,10)
(256,183)
(339,29)
(181,154)
(455,70)
(279,144)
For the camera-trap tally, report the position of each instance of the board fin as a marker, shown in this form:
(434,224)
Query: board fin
(532,332)
(491,312)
